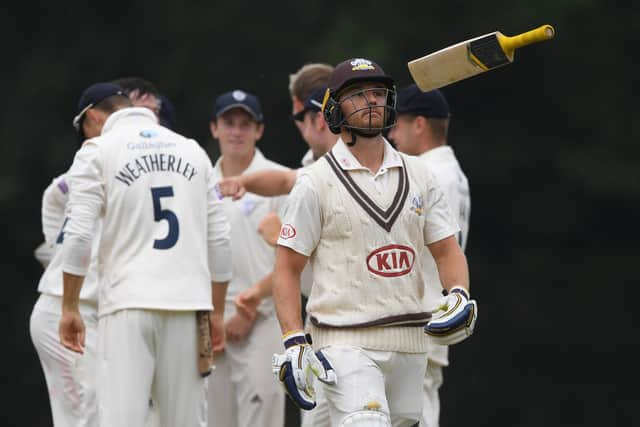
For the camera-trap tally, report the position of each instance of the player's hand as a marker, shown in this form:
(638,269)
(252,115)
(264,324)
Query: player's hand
(72,331)
(238,327)
(217,333)
(453,319)
(269,228)
(230,187)
(247,302)
(296,368)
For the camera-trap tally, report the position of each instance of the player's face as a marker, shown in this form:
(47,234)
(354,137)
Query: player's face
(311,130)
(237,132)
(297,106)
(363,105)
(403,134)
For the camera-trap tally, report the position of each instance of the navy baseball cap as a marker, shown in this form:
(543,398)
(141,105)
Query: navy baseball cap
(167,113)
(428,104)
(313,103)
(238,99)
(93,95)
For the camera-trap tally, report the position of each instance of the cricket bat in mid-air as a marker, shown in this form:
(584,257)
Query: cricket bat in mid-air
(472,57)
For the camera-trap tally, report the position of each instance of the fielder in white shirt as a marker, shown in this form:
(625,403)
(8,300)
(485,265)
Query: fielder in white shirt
(307,115)
(243,391)
(421,130)
(163,255)
(70,377)
(362,215)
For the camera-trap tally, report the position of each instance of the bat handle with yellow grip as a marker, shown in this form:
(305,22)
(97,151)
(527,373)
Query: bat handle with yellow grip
(510,44)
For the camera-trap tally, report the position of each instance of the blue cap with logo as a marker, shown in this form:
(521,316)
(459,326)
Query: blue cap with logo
(238,99)
(428,104)
(93,95)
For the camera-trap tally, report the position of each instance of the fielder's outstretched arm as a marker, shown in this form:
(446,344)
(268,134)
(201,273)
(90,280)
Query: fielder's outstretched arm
(266,183)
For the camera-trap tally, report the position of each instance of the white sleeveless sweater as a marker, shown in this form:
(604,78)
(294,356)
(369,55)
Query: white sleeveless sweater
(368,280)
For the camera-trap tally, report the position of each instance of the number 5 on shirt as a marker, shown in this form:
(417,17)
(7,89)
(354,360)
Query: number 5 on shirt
(159,214)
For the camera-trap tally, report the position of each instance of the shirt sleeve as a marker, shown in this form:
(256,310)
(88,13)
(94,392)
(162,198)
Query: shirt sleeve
(218,234)
(302,220)
(85,205)
(54,201)
(440,222)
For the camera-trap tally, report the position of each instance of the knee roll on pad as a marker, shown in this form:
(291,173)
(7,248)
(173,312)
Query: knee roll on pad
(366,419)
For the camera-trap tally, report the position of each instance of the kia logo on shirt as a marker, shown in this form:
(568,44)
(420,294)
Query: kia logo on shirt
(287,231)
(391,260)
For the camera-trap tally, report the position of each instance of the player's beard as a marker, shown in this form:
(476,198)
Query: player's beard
(367,125)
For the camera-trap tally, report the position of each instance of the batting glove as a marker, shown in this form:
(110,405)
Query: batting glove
(296,368)
(453,319)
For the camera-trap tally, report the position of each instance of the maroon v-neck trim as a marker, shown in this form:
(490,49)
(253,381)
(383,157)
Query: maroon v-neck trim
(384,218)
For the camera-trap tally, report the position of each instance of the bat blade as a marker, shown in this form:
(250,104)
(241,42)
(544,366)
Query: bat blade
(471,57)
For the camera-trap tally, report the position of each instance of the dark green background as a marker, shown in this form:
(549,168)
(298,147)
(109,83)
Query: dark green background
(550,144)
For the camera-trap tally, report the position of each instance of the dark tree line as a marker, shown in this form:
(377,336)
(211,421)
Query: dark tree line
(549,143)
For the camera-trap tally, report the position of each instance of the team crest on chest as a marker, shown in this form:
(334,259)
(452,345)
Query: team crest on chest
(416,204)
(247,205)
(391,260)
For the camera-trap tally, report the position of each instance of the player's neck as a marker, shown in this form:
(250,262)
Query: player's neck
(235,165)
(328,143)
(369,152)
(426,144)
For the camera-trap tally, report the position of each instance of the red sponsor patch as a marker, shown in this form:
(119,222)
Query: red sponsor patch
(391,260)
(287,231)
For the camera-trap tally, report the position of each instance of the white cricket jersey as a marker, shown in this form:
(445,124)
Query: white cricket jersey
(253,257)
(165,235)
(363,232)
(54,202)
(444,165)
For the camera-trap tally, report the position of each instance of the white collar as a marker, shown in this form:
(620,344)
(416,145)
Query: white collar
(348,161)
(258,158)
(128,113)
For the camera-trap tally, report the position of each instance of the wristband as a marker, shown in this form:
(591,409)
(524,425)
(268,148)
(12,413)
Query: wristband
(460,290)
(292,338)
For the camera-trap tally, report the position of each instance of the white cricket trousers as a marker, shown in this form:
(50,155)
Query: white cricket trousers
(70,376)
(144,353)
(386,380)
(318,416)
(243,391)
(431,395)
